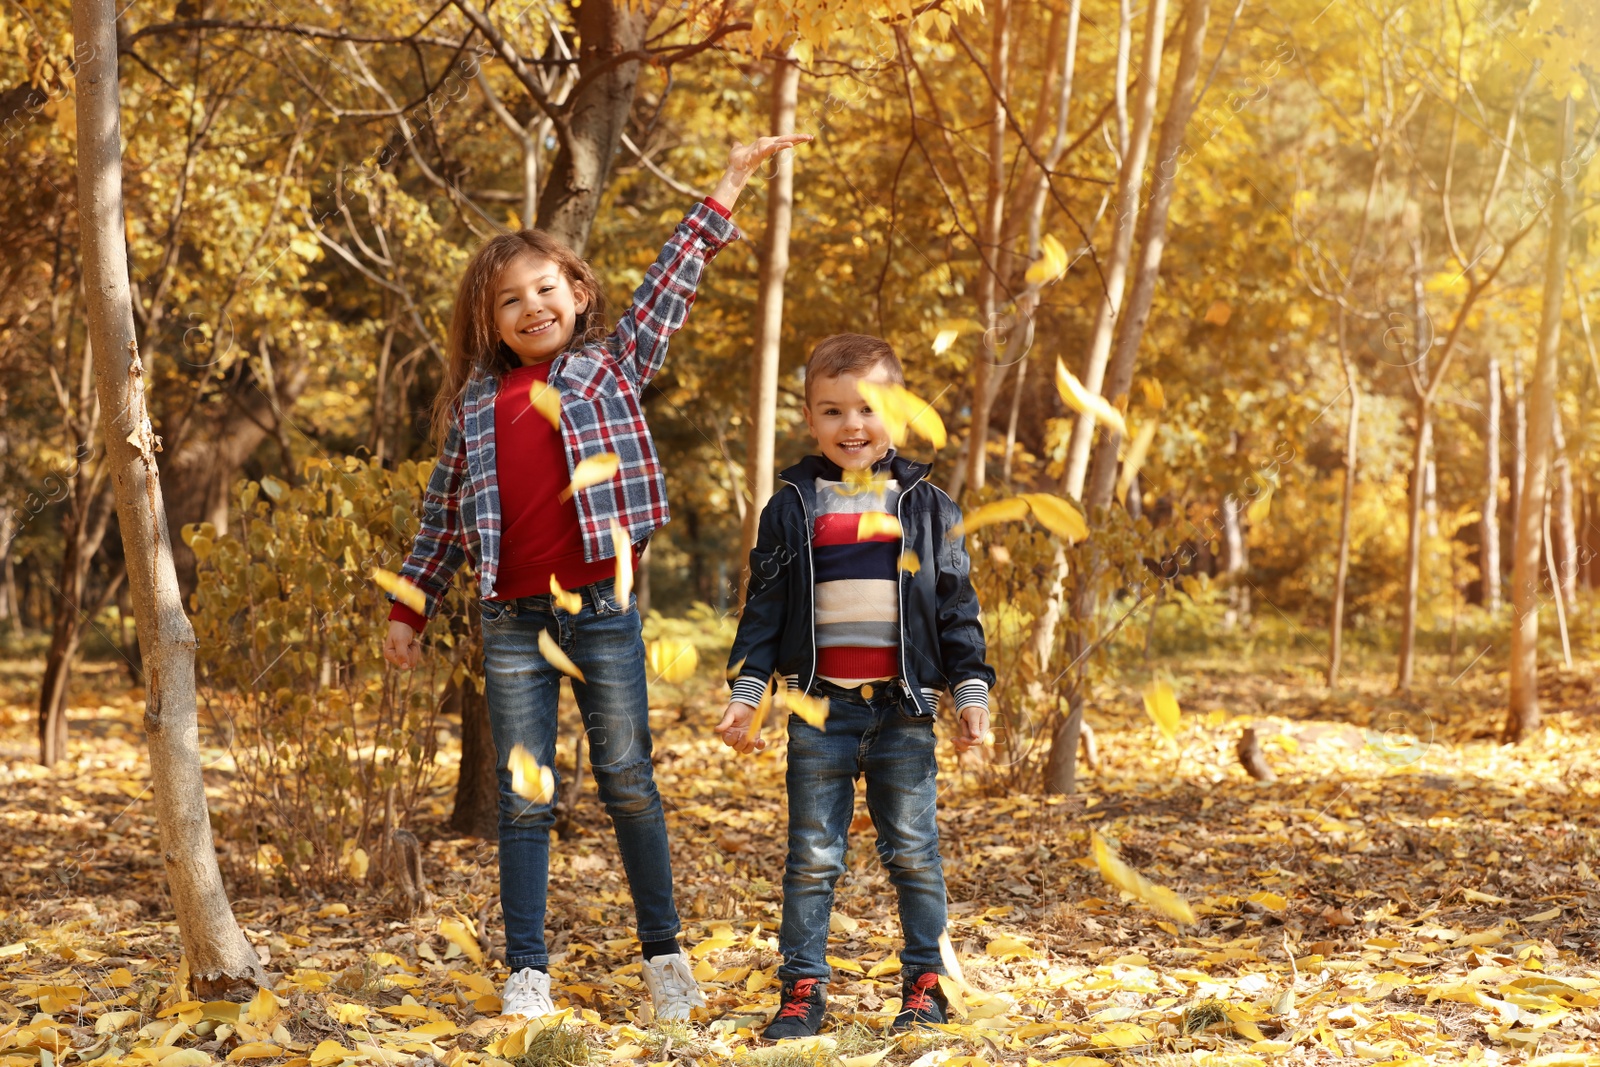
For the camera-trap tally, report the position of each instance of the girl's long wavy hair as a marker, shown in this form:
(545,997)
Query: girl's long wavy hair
(474,343)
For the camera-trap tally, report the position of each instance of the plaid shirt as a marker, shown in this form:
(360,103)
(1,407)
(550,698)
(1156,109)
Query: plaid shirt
(599,385)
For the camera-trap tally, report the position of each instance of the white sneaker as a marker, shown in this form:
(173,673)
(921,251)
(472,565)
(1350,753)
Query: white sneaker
(673,989)
(527,993)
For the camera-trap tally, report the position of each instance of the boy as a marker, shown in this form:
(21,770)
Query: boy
(858,594)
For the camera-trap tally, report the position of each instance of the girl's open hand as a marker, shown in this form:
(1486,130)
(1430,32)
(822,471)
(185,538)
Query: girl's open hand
(401,646)
(734,729)
(745,159)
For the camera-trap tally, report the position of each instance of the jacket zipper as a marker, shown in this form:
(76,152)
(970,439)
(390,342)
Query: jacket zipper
(811,584)
(899,598)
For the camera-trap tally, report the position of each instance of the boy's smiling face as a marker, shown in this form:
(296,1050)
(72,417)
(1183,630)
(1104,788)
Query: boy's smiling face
(847,429)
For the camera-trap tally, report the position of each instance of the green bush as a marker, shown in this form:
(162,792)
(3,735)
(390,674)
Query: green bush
(331,747)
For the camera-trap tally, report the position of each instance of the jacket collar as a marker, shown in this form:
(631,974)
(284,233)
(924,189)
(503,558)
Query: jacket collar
(804,474)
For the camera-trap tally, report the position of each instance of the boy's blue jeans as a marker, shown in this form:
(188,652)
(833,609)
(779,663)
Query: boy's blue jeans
(896,754)
(604,641)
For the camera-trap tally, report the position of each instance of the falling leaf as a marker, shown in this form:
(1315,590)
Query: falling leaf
(877,524)
(671,659)
(1008,510)
(557,658)
(1218,313)
(401,589)
(1135,459)
(1137,885)
(623,588)
(952,962)
(1162,706)
(455,931)
(530,780)
(901,409)
(546,400)
(909,562)
(1077,397)
(863,480)
(1155,398)
(1257,511)
(592,471)
(759,717)
(944,339)
(1051,264)
(814,710)
(1057,516)
(358,864)
(733,672)
(571,603)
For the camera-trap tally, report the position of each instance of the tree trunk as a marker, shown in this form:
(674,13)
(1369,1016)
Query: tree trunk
(1519,443)
(1130,326)
(1564,547)
(1129,330)
(596,118)
(760,442)
(1352,456)
(1130,179)
(219,956)
(1523,720)
(1234,561)
(1421,444)
(987,376)
(477,805)
(1489,551)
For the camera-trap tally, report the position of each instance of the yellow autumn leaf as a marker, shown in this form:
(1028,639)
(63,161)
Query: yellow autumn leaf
(262,1008)
(1008,510)
(671,659)
(1257,511)
(1051,264)
(944,339)
(1009,948)
(571,603)
(903,410)
(869,1059)
(329,1052)
(1092,405)
(952,962)
(592,471)
(888,965)
(814,710)
(1162,706)
(733,672)
(1130,881)
(1155,398)
(358,863)
(1135,459)
(401,589)
(349,1014)
(909,562)
(546,400)
(875,524)
(531,781)
(763,706)
(455,931)
(1057,516)
(254,1050)
(624,550)
(557,658)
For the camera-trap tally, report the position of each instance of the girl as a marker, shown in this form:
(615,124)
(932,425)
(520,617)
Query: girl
(530,314)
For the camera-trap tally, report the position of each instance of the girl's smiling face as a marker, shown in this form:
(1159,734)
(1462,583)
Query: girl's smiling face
(536,308)
(846,427)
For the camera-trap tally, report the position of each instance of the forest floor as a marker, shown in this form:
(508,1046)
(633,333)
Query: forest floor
(1426,893)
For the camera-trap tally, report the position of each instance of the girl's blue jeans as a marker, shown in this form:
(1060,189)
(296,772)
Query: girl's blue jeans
(896,754)
(604,641)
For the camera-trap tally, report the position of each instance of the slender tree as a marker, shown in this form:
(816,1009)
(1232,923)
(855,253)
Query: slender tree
(218,954)
(1523,718)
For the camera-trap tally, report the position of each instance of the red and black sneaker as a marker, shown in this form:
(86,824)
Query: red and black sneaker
(922,1002)
(800,1014)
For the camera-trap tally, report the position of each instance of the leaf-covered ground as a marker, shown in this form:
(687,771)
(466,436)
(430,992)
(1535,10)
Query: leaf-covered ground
(1435,891)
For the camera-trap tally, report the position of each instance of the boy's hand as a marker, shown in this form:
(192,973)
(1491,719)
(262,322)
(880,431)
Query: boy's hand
(745,159)
(972,727)
(734,729)
(401,647)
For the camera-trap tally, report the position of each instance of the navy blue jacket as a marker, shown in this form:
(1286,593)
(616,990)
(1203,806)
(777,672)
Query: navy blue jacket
(941,637)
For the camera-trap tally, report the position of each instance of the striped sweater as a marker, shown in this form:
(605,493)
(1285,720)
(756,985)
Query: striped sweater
(855,546)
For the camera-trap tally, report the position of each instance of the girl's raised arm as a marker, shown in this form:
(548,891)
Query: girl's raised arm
(662,301)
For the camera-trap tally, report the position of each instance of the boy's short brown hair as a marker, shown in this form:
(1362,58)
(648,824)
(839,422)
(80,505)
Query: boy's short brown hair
(851,353)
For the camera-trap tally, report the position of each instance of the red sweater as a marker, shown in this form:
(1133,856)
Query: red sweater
(541,536)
